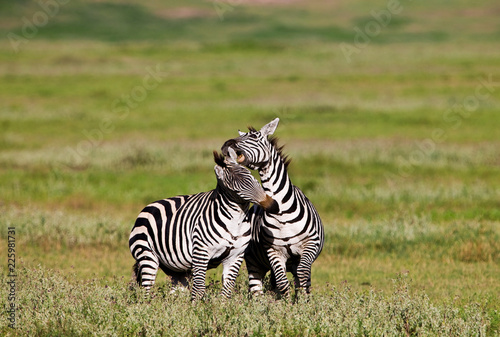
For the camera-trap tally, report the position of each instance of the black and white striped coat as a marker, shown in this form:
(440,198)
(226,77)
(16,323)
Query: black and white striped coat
(290,240)
(192,233)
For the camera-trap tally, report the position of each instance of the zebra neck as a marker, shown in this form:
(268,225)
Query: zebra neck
(274,178)
(222,202)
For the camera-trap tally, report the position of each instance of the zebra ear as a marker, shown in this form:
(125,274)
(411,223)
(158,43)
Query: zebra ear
(219,172)
(241,133)
(269,128)
(233,157)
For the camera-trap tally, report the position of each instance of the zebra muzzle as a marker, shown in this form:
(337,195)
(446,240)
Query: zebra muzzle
(270,205)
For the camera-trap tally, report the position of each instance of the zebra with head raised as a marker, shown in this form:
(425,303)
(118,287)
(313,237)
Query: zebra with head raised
(291,239)
(189,234)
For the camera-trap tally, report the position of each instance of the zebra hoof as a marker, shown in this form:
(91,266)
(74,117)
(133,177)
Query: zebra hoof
(177,289)
(257,293)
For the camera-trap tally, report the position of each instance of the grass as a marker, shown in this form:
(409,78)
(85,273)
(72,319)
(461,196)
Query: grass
(51,304)
(398,149)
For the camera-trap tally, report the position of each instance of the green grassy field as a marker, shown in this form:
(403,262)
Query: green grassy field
(107,106)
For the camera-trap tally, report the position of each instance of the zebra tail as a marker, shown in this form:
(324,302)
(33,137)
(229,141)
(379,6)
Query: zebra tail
(137,274)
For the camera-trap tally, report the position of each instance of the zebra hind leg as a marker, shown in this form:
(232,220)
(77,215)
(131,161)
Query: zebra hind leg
(145,271)
(304,268)
(302,290)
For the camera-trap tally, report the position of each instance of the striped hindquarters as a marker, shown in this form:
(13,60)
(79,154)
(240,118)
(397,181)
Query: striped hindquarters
(158,239)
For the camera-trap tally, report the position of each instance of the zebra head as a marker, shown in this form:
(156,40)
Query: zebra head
(253,148)
(239,184)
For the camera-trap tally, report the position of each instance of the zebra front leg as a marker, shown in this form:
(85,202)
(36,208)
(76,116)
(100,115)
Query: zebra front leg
(255,281)
(229,273)
(179,282)
(200,265)
(256,273)
(278,266)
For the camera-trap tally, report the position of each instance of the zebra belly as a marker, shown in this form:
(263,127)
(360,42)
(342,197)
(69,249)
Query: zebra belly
(176,265)
(284,237)
(226,250)
(288,251)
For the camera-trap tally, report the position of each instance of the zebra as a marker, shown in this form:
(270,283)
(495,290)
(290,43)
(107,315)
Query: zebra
(186,235)
(290,240)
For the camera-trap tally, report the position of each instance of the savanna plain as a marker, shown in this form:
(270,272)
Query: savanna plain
(390,112)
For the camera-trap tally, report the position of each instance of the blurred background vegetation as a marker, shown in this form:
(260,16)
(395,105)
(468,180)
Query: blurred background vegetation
(389,110)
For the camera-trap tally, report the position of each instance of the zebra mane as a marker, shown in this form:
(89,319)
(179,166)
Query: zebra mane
(219,159)
(274,142)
